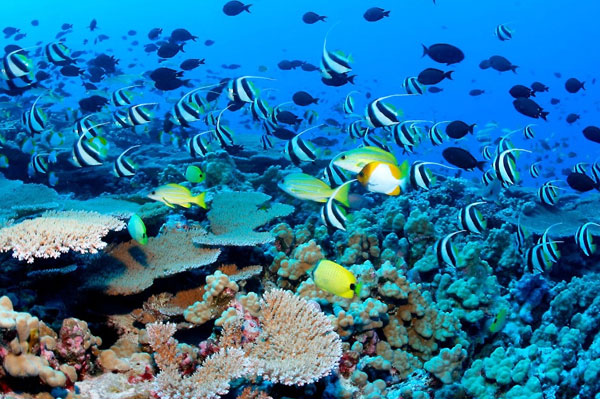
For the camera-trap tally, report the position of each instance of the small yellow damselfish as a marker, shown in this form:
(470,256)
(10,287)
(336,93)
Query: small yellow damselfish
(335,279)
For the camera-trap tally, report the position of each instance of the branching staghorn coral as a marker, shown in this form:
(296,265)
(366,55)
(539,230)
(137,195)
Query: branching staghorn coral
(55,233)
(296,345)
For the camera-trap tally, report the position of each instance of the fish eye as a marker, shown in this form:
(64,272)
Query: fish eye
(343,157)
(153,192)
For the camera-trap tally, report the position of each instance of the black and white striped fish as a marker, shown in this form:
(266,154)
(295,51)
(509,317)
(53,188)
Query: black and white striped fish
(580,168)
(488,177)
(505,167)
(242,89)
(16,65)
(406,134)
(85,126)
(210,119)
(124,166)
(39,164)
(334,175)
(380,114)
(445,251)
(89,153)
(122,96)
(197,146)
(58,54)
(122,119)
(334,63)
(412,86)
(138,115)
(487,153)
(266,142)
(471,219)
(223,132)
(534,170)
(348,106)
(503,32)
(369,140)
(421,177)
(260,110)
(435,135)
(520,236)
(356,130)
(186,110)
(300,151)
(584,238)
(333,215)
(528,132)
(550,247)
(548,193)
(596,172)
(537,260)
(35,119)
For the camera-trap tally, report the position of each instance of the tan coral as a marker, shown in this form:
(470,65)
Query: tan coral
(56,233)
(220,290)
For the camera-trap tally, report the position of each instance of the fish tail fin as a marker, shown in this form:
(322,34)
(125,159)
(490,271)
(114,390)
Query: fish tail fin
(386,13)
(323,18)
(342,195)
(247,8)
(351,79)
(181,47)
(582,85)
(532,93)
(472,128)
(425,50)
(315,100)
(179,74)
(480,165)
(514,68)
(357,288)
(544,114)
(199,200)
(448,75)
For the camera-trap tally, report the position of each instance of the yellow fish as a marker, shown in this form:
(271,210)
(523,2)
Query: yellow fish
(335,279)
(307,187)
(355,160)
(176,194)
(385,178)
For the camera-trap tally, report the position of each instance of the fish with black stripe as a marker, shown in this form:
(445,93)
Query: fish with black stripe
(584,238)
(16,65)
(334,175)
(445,250)
(260,110)
(266,142)
(334,62)
(550,247)
(356,130)
(435,135)
(487,153)
(89,152)
(300,151)
(471,219)
(412,86)
(138,115)
(58,54)
(85,126)
(243,90)
(488,177)
(528,132)
(122,96)
(122,119)
(369,140)
(534,170)
(196,146)
(39,164)
(124,166)
(596,172)
(35,119)
(580,168)
(421,177)
(348,105)
(380,114)
(537,260)
(333,215)
(186,110)
(505,167)
(503,32)
(405,135)
(223,132)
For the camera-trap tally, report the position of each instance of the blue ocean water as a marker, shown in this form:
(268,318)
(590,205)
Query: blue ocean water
(551,42)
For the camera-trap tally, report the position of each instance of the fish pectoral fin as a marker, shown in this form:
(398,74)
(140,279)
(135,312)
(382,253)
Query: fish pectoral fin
(395,191)
(167,203)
